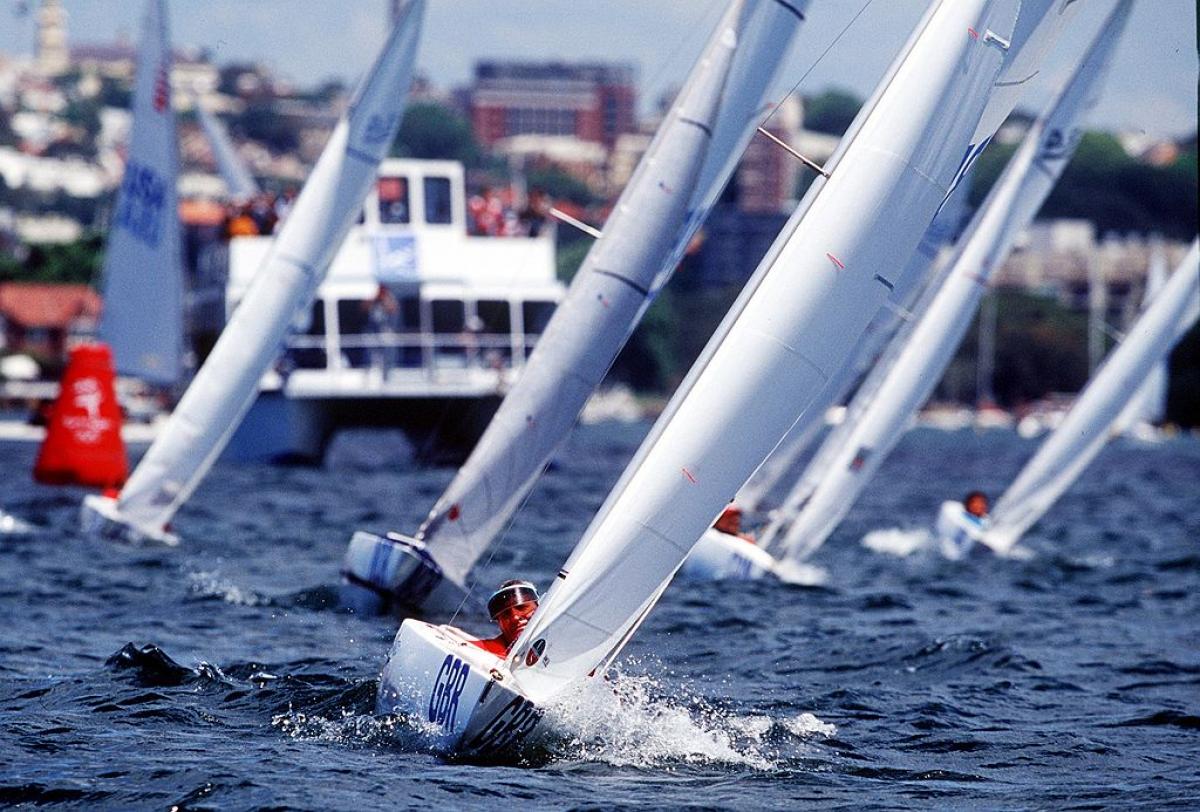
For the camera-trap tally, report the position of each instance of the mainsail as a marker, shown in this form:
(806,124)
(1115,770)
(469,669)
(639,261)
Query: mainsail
(789,333)
(143,260)
(678,180)
(879,413)
(1085,430)
(227,384)
(239,183)
(1149,405)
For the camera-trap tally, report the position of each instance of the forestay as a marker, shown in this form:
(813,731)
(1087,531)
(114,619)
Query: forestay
(1085,430)
(143,259)
(227,384)
(692,156)
(787,336)
(239,183)
(880,412)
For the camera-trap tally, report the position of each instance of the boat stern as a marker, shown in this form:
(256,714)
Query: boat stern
(379,572)
(956,530)
(100,517)
(460,697)
(719,556)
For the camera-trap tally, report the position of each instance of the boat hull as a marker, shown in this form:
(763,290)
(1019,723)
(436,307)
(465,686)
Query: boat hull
(461,697)
(719,556)
(100,517)
(395,571)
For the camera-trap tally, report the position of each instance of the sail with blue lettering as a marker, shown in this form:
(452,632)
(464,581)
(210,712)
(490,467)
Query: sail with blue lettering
(790,332)
(884,405)
(227,384)
(143,258)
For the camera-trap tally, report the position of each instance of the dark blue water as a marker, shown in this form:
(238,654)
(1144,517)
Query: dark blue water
(1070,680)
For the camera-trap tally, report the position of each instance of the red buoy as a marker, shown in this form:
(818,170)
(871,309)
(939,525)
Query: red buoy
(83,444)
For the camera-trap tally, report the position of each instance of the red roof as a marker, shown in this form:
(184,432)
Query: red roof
(35,304)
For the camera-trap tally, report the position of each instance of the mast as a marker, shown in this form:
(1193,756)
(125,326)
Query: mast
(143,260)
(677,181)
(227,384)
(880,412)
(790,332)
(1083,433)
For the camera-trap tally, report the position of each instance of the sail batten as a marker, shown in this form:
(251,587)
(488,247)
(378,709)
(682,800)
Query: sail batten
(676,182)
(904,154)
(226,386)
(881,410)
(143,259)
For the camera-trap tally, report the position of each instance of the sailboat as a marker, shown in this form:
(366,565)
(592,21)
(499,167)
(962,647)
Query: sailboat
(677,181)
(788,334)
(143,259)
(1084,432)
(879,413)
(227,383)
(239,183)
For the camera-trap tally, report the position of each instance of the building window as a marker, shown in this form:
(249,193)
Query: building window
(437,201)
(393,201)
(539,121)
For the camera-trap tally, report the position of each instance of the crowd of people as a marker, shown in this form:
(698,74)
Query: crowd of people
(495,213)
(258,216)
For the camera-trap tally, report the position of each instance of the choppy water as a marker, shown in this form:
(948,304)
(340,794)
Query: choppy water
(219,676)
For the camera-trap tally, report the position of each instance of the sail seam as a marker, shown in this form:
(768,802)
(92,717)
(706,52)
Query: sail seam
(799,14)
(642,290)
(707,130)
(792,350)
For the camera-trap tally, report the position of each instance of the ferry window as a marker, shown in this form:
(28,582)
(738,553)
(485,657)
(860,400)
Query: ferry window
(306,356)
(536,316)
(437,201)
(393,200)
(449,316)
(354,316)
(494,315)
(410,313)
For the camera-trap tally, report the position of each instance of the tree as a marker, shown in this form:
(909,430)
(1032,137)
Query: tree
(831,112)
(431,131)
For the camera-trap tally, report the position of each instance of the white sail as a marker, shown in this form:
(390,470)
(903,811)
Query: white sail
(1085,429)
(227,384)
(679,178)
(880,412)
(239,183)
(789,333)
(1149,405)
(143,260)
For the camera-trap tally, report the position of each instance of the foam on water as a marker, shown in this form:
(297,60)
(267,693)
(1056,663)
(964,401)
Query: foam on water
(213,585)
(800,574)
(897,541)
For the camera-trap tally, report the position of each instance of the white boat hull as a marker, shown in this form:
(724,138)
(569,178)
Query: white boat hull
(100,517)
(461,697)
(957,531)
(718,556)
(381,572)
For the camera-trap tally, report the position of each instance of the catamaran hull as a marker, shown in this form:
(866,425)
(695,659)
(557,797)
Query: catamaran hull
(381,572)
(460,696)
(719,556)
(100,517)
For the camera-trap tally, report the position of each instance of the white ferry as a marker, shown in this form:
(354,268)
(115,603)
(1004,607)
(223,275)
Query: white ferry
(418,325)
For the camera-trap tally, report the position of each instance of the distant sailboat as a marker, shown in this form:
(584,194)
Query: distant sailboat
(789,333)
(227,384)
(677,181)
(143,259)
(239,183)
(1086,429)
(880,412)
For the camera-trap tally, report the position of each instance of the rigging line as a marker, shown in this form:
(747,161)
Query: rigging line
(813,66)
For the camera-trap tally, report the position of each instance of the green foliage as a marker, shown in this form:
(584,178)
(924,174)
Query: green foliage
(431,131)
(261,122)
(560,185)
(1183,396)
(831,112)
(77,262)
(571,253)
(1106,186)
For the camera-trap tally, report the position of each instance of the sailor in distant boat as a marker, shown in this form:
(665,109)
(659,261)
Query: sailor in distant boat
(976,504)
(511,606)
(730,523)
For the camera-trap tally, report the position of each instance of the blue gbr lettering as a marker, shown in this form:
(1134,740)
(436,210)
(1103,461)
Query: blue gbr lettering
(143,199)
(447,688)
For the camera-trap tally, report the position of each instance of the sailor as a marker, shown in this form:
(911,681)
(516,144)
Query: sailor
(976,505)
(510,606)
(730,523)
